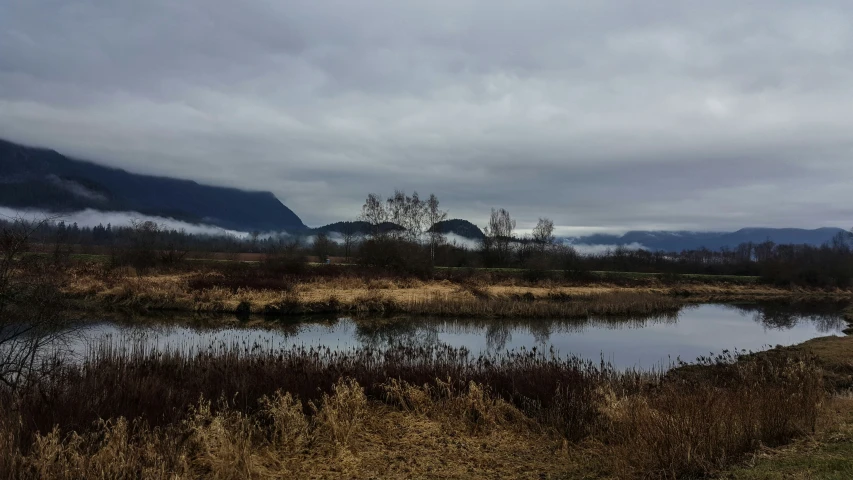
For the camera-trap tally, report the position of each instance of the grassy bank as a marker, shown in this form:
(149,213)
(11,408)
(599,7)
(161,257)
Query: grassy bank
(251,289)
(245,412)
(828,452)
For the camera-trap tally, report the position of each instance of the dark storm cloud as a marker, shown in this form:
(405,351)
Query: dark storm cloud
(616,115)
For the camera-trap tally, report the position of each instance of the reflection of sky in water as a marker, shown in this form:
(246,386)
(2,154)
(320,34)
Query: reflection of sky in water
(638,343)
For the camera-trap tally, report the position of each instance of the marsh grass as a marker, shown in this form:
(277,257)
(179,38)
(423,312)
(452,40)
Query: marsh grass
(527,305)
(253,289)
(254,412)
(691,428)
(283,296)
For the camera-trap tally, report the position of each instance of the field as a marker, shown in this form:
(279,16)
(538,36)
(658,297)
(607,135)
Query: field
(247,288)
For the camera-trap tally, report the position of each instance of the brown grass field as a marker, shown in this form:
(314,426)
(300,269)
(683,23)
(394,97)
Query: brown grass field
(772,415)
(252,290)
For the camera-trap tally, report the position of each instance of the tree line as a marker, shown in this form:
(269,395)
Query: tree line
(404,232)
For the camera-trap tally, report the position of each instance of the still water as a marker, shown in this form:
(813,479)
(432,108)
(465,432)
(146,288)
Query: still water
(637,342)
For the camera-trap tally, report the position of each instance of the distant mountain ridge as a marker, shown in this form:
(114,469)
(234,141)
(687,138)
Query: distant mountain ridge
(669,241)
(39,178)
(43,179)
(677,241)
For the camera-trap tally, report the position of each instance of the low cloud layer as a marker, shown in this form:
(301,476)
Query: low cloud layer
(597,249)
(92,218)
(609,115)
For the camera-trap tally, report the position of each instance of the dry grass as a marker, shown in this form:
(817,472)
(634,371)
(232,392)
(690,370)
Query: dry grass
(826,455)
(833,354)
(683,430)
(348,437)
(258,292)
(309,414)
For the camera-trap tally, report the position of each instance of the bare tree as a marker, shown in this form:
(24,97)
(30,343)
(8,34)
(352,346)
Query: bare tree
(408,212)
(842,242)
(283,254)
(322,246)
(415,217)
(141,250)
(33,319)
(543,233)
(434,216)
(524,249)
(374,213)
(175,248)
(501,224)
(350,234)
(764,250)
(500,233)
(396,206)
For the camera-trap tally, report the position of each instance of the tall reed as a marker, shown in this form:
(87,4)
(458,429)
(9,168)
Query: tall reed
(239,410)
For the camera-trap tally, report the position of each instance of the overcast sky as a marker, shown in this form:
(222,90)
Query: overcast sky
(609,115)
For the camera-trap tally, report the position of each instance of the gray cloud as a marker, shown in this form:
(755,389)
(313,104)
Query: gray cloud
(603,115)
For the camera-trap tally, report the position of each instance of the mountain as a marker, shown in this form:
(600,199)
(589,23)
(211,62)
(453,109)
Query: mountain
(677,241)
(460,227)
(46,180)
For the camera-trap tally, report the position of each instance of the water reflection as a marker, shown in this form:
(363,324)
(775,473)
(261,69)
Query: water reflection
(825,316)
(498,333)
(626,342)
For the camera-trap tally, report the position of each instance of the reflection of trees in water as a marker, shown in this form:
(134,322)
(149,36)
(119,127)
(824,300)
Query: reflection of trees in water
(541,332)
(386,332)
(497,335)
(498,332)
(193,330)
(825,316)
(166,322)
(383,332)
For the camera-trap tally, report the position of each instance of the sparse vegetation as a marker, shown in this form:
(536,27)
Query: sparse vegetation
(284,284)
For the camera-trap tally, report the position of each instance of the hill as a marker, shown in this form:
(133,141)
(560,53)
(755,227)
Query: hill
(357,227)
(44,179)
(460,227)
(463,228)
(678,241)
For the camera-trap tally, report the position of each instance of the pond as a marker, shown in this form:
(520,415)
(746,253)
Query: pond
(636,342)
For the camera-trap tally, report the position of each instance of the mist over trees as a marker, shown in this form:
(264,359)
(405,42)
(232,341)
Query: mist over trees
(406,233)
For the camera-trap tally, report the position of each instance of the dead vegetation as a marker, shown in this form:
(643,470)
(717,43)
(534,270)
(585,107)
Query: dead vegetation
(248,413)
(253,289)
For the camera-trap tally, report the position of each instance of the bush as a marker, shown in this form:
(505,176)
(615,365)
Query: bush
(688,428)
(397,256)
